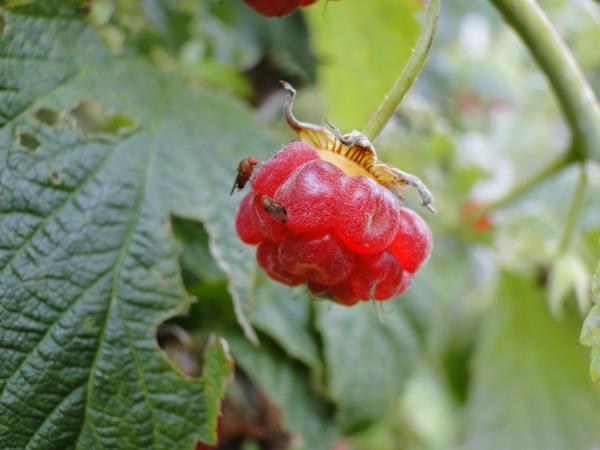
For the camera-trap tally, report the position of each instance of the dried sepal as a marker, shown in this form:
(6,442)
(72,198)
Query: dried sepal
(353,152)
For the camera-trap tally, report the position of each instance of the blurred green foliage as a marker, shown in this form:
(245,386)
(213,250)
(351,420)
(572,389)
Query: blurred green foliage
(482,352)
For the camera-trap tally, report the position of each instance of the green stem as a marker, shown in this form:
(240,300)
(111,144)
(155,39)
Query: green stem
(574,210)
(408,76)
(577,100)
(550,169)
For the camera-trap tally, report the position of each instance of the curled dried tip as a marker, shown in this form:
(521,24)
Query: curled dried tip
(288,106)
(414,181)
(336,131)
(429,207)
(288,87)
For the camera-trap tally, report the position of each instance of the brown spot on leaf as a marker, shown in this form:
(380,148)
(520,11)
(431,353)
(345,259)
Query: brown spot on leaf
(55,177)
(47,116)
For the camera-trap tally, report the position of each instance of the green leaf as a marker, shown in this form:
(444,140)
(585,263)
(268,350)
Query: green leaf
(218,367)
(304,413)
(590,334)
(281,312)
(363,46)
(284,314)
(195,254)
(88,263)
(361,352)
(531,390)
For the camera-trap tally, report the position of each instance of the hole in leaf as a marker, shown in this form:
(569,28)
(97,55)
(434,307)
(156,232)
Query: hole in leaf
(55,177)
(29,141)
(180,347)
(90,119)
(46,115)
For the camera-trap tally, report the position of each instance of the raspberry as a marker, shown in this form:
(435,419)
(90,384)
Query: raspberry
(268,258)
(275,8)
(413,241)
(269,227)
(277,169)
(247,223)
(375,276)
(312,187)
(322,214)
(367,215)
(341,292)
(316,257)
(345,236)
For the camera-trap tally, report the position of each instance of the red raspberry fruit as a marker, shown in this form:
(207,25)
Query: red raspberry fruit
(277,8)
(277,169)
(314,186)
(376,276)
(267,256)
(316,257)
(322,214)
(247,222)
(346,236)
(274,8)
(367,215)
(413,241)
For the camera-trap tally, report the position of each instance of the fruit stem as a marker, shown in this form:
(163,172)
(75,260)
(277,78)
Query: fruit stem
(577,100)
(550,169)
(574,210)
(408,75)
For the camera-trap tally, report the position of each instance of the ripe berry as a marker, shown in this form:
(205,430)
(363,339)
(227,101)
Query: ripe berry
(267,256)
(413,241)
(322,214)
(311,187)
(277,8)
(274,8)
(277,169)
(316,257)
(247,222)
(375,276)
(367,215)
(343,294)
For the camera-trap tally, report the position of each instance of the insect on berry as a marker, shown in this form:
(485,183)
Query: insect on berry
(274,209)
(323,213)
(244,172)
